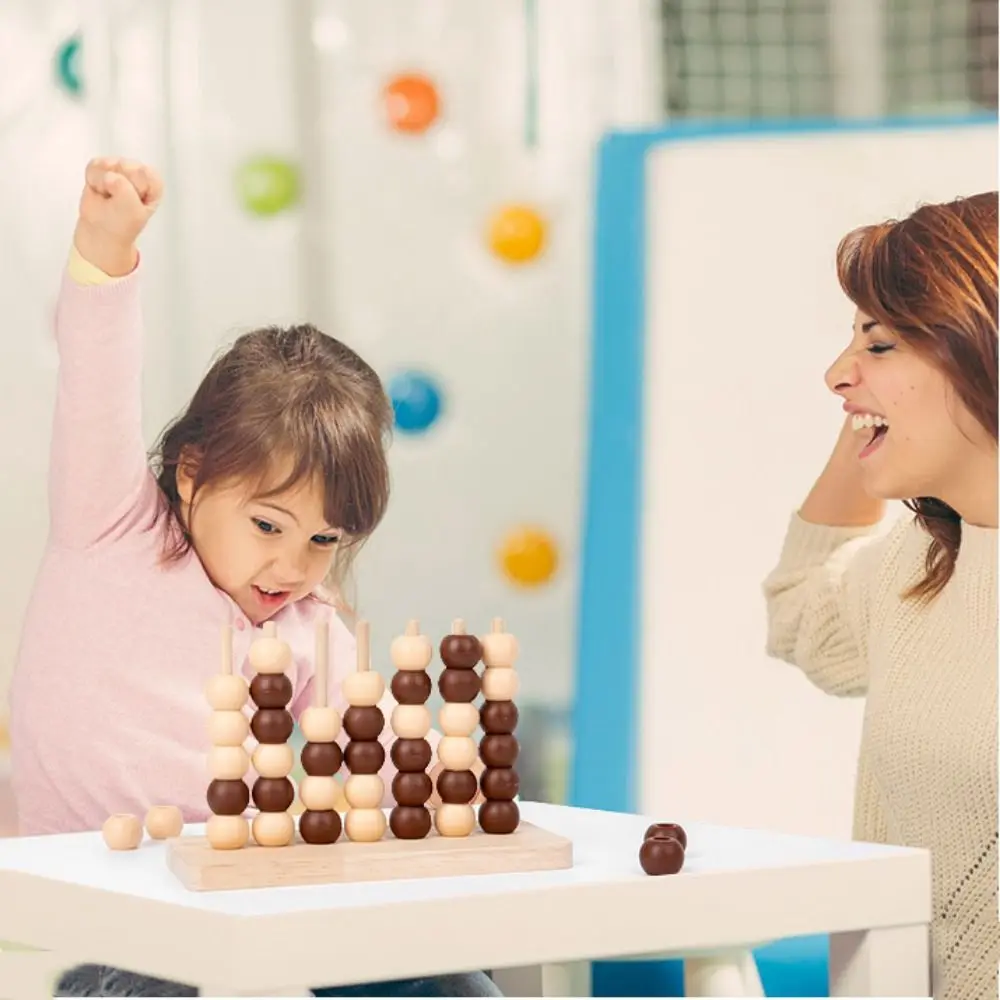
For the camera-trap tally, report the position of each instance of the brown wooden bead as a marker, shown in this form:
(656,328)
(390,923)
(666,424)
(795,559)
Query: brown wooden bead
(462,650)
(364,757)
(674,830)
(412,788)
(457,787)
(499,817)
(271,690)
(411,687)
(501,783)
(459,685)
(364,722)
(320,827)
(273,794)
(272,725)
(228,798)
(500,717)
(661,855)
(411,755)
(499,751)
(410,822)
(322,759)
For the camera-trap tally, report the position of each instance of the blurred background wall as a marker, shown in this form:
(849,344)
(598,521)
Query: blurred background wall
(424,178)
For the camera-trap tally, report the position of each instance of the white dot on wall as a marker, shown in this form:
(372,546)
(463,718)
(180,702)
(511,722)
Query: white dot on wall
(449,144)
(330,33)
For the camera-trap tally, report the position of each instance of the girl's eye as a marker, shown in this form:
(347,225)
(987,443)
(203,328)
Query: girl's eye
(265,526)
(326,539)
(879,348)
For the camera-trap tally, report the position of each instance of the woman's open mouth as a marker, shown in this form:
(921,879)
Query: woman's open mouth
(269,598)
(875,426)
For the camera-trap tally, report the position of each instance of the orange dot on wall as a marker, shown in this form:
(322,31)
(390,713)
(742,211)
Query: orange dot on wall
(411,103)
(529,557)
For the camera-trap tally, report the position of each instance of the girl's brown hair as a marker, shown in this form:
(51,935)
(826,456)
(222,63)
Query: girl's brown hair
(932,279)
(282,398)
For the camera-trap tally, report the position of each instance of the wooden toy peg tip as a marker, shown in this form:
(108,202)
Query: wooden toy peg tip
(458,626)
(413,627)
(498,624)
(270,629)
(364,645)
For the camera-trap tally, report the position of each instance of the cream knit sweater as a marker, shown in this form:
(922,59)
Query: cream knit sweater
(927,774)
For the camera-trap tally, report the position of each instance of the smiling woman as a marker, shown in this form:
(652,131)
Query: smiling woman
(908,619)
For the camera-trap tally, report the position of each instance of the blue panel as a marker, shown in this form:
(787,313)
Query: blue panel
(605,732)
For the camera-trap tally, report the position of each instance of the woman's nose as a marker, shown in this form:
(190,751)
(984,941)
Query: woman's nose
(843,374)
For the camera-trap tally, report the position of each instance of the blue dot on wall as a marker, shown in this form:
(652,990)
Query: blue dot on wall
(68,66)
(416,401)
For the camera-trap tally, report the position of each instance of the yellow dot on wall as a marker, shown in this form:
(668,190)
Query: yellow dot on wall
(517,234)
(529,557)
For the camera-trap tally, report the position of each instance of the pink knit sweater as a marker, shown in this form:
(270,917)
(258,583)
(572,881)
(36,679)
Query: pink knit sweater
(108,712)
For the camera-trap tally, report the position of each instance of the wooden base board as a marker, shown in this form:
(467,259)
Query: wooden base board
(201,868)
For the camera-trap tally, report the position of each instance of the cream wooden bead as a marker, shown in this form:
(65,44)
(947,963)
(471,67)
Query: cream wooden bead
(365,825)
(163,822)
(363,689)
(228,729)
(274,760)
(228,763)
(411,722)
(458,718)
(227,692)
(273,829)
(457,753)
(412,650)
(452,820)
(364,791)
(270,655)
(122,832)
(500,649)
(318,793)
(500,684)
(227,833)
(320,725)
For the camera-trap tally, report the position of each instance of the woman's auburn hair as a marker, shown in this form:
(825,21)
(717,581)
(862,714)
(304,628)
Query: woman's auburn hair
(931,278)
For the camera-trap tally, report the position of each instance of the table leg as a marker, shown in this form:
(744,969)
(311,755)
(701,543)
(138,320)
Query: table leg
(885,962)
(566,979)
(722,974)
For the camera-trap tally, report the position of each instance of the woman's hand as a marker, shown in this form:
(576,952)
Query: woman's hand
(118,200)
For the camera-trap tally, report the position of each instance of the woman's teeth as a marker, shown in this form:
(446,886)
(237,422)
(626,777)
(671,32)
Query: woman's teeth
(861,421)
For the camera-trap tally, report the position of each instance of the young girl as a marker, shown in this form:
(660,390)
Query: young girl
(908,618)
(260,492)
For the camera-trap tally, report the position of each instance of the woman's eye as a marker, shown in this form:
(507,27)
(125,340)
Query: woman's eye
(326,539)
(879,348)
(265,526)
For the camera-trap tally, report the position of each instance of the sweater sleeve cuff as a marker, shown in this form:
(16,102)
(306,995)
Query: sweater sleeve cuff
(84,273)
(808,544)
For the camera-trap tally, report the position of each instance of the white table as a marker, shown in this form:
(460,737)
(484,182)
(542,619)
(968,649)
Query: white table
(77,902)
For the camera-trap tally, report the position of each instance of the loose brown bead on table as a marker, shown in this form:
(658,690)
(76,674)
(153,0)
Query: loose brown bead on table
(412,788)
(271,690)
(499,817)
(410,822)
(322,759)
(459,685)
(320,827)
(457,787)
(364,722)
(499,751)
(366,757)
(228,798)
(411,687)
(463,651)
(500,717)
(501,783)
(411,755)
(674,830)
(661,855)
(272,725)
(273,794)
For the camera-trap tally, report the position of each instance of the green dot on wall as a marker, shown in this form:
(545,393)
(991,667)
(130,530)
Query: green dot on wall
(68,66)
(268,185)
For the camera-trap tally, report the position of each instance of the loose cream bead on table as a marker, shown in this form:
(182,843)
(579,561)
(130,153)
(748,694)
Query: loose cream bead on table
(163,822)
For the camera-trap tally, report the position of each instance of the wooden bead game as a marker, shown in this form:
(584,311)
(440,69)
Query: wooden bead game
(476,829)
